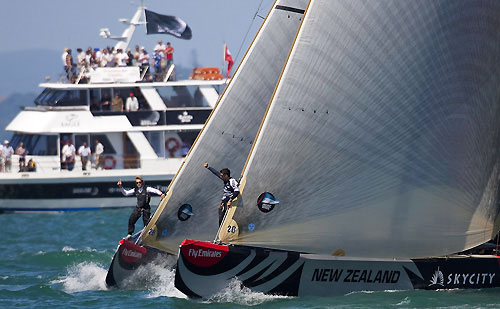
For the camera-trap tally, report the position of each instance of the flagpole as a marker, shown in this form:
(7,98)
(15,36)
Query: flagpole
(223,57)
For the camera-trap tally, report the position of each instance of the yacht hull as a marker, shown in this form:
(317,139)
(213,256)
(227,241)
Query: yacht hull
(204,269)
(128,260)
(40,195)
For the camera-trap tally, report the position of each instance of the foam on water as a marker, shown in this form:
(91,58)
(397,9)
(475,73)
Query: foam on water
(236,293)
(164,285)
(84,276)
(86,249)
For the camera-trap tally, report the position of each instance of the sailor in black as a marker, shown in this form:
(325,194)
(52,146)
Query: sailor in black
(231,189)
(142,207)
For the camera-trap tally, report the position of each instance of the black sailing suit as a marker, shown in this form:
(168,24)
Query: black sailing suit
(231,191)
(142,208)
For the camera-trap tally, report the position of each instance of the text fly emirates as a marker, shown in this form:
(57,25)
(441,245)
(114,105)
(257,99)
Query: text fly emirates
(204,253)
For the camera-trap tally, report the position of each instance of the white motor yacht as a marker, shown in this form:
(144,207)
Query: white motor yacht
(151,142)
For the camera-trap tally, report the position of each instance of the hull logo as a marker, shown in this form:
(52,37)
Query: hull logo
(185,212)
(461,279)
(437,278)
(266,202)
(131,253)
(204,256)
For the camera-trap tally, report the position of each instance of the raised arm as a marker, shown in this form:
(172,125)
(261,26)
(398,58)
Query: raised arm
(124,192)
(213,170)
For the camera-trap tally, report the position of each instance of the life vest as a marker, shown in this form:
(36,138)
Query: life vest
(143,198)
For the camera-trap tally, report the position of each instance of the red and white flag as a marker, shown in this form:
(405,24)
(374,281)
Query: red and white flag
(229,59)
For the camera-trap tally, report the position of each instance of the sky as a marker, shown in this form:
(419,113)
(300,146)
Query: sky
(56,24)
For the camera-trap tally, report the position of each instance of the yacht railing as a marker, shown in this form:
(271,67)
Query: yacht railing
(46,165)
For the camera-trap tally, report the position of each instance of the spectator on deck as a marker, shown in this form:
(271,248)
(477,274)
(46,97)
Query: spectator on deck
(94,60)
(130,59)
(31,165)
(169,51)
(68,155)
(137,53)
(121,58)
(105,102)
(132,104)
(81,61)
(84,152)
(63,58)
(8,151)
(160,46)
(69,67)
(2,159)
(117,103)
(98,156)
(157,55)
(144,60)
(21,152)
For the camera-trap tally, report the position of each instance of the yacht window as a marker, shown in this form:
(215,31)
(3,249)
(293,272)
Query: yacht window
(182,96)
(53,97)
(155,138)
(178,143)
(125,93)
(36,145)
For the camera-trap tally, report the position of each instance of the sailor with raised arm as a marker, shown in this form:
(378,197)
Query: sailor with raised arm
(231,189)
(143,199)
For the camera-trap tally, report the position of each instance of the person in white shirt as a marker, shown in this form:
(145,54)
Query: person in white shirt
(84,152)
(2,159)
(98,158)
(142,207)
(68,155)
(160,46)
(8,151)
(131,105)
(63,58)
(121,58)
(81,61)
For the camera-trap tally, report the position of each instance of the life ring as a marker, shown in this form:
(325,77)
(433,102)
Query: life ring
(172,145)
(109,162)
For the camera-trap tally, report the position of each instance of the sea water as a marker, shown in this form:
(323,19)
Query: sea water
(61,260)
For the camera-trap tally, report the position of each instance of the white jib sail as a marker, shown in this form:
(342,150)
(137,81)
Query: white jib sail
(228,135)
(383,137)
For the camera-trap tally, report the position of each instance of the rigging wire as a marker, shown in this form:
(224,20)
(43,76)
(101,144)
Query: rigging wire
(248,30)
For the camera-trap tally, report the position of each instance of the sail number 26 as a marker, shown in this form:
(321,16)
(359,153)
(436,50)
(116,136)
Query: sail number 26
(231,229)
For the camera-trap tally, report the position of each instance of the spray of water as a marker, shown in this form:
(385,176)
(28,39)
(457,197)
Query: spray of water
(84,276)
(236,293)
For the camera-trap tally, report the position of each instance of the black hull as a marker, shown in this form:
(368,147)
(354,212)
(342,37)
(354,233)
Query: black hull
(83,195)
(128,258)
(203,269)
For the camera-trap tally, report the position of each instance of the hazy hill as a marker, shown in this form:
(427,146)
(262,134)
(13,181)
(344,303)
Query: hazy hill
(22,71)
(10,107)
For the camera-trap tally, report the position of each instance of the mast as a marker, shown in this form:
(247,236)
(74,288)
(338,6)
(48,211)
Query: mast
(124,39)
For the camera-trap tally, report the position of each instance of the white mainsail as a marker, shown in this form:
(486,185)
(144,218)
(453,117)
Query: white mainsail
(229,133)
(383,136)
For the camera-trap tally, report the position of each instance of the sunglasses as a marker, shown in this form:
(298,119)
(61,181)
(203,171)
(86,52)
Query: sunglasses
(138,182)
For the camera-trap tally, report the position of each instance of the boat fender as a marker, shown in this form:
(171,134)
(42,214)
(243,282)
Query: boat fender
(109,162)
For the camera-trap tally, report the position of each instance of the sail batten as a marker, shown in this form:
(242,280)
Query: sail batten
(382,137)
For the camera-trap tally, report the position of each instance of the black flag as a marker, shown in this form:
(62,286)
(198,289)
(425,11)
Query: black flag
(157,23)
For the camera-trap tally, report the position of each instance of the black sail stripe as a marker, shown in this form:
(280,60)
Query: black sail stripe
(290,9)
